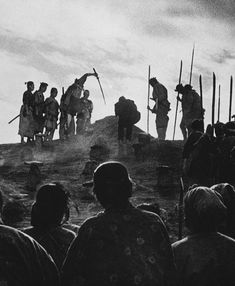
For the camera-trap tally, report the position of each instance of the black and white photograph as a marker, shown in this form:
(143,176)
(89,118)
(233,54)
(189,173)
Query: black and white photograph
(117,143)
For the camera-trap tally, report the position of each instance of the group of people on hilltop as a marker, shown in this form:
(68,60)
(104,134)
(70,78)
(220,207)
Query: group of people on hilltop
(38,113)
(124,244)
(126,110)
(40,116)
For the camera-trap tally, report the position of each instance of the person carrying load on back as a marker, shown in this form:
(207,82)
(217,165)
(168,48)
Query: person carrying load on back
(191,108)
(161,107)
(128,115)
(72,100)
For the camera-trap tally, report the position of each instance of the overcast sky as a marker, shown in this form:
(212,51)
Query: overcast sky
(58,40)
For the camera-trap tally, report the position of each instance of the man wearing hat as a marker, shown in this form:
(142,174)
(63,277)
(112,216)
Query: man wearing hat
(39,108)
(161,107)
(191,107)
(72,100)
(122,245)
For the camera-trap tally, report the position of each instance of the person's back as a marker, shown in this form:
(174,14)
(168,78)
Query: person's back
(48,213)
(121,246)
(55,240)
(23,262)
(205,259)
(126,110)
(191,105)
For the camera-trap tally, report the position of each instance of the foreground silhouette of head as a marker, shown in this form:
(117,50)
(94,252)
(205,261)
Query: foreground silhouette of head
(112,184)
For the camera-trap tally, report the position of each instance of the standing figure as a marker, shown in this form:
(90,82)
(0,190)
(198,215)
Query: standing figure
(52,112)
(161,107)
(191,108)
(63,118)
(84,115)
(26,126)
(128,115)
(39,108)
(72,100)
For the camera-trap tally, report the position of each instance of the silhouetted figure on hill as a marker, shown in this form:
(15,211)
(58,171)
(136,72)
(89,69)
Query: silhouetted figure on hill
(161,107)
(51,114)
(23,261)
(122,245)
(128,115)
(84,115)
(38,110)
(204,257)
(26,125)
(72,101)
(47,215)
(191,107)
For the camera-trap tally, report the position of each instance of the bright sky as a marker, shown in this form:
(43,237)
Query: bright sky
(58,40)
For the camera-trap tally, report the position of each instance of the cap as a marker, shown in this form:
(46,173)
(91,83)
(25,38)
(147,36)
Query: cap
(109,172)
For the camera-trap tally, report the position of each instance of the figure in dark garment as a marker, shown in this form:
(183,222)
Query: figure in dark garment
(23,262)
(26,125)
(128,115)
(191,108)
(122,245)
(197,159)
(161,107)
(205,257)
(227,194)
(48,213)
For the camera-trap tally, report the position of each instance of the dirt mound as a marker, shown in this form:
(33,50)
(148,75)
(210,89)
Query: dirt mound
(155,173)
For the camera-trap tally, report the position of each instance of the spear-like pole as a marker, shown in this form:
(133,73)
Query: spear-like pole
(218,118)
(177,102)
(201,94)
(191,67)
(148,100)
(231,98)
(213,102)
(181,199)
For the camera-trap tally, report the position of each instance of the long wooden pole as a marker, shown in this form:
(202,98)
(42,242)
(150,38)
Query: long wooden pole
(181,199)
(148,100)
(191,67)
(231,98)
(213,102)
(177,101)
(218,117)
(201,94)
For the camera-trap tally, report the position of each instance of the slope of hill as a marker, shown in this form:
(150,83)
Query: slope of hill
(155,173)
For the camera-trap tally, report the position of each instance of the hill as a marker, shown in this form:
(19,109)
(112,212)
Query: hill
(155,172)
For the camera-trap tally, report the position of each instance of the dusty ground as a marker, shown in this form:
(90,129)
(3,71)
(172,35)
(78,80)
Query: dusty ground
(65,161)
